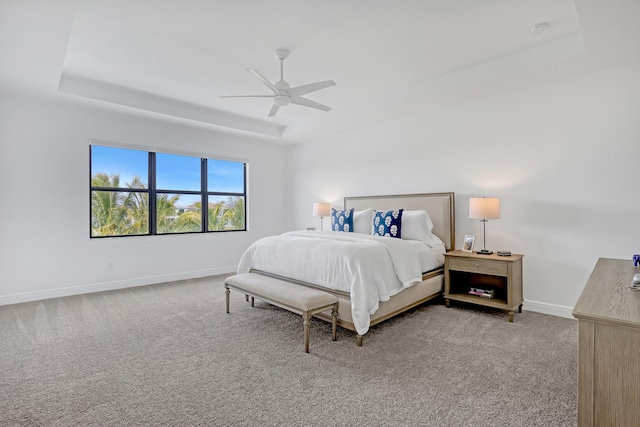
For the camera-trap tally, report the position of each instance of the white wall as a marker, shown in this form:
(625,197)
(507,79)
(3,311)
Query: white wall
(559,144)
(45,249)
(562,156)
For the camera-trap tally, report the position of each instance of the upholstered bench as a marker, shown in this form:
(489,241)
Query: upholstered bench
(298,299)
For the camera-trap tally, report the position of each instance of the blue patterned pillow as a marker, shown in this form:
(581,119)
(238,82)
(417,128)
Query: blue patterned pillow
(387,223)
(342,220)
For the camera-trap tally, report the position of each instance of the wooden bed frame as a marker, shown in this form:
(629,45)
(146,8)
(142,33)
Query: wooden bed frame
(441,209)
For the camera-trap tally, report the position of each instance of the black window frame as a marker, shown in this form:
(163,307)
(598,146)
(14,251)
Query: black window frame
(152,191)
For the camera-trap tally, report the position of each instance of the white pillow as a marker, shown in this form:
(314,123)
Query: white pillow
(416,225)
(362,221)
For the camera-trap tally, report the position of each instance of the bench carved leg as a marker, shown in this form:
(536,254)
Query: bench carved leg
(359,340)
(306,316)
(334,322)
(252,301)
(227,292)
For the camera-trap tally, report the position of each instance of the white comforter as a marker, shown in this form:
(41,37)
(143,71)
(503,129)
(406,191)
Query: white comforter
(370,268)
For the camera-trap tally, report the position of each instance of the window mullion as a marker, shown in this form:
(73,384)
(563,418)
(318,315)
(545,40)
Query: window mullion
(244,179)
(153,220)
(204,195)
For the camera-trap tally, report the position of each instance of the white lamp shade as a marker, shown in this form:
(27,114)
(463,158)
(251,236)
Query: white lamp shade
(484,208)
(321,209)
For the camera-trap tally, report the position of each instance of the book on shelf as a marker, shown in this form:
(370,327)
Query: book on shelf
(484,293)
(490,291)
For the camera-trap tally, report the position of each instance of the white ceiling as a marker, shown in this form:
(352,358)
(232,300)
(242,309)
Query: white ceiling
(177,57)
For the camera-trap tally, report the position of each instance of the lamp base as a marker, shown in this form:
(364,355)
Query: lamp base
(484,252)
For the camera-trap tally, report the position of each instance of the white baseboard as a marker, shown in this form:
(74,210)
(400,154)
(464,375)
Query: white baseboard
(546,308)
(110,286)
(539,307)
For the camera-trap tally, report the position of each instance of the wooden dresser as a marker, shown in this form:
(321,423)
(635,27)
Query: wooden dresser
(608,316)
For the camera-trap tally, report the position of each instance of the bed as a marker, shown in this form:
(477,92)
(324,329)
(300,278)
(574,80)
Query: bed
(371,295)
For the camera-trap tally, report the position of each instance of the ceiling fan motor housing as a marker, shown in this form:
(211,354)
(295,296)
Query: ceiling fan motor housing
(281,100)
(281,85)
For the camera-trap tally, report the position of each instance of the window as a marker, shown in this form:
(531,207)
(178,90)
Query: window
(178,194)
(136,192)
(226,196)
(119,191)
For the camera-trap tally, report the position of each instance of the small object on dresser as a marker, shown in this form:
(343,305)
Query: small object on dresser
(635,283)
(636,260)
(504,253)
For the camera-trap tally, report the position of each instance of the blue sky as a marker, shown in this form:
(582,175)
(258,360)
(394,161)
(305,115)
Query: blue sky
(173,172)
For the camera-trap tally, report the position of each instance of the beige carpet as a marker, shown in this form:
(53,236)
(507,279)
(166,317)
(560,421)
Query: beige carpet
(169,355)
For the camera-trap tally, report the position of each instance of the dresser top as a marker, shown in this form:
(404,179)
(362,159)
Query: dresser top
(606,296)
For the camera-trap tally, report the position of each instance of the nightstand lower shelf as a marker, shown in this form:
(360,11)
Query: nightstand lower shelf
(486,302)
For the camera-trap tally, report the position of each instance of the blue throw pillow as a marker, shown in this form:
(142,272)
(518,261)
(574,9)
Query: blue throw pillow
(342,220)
(387,223)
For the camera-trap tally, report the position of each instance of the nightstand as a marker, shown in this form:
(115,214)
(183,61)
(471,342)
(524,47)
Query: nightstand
(498,274)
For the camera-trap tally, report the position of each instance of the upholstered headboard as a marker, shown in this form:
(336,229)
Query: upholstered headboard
(440,207)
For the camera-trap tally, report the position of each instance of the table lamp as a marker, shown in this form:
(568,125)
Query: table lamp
(321,210)
(484,208)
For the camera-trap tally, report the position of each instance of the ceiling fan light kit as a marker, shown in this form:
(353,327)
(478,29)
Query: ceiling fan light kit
(283,94)
(281,100)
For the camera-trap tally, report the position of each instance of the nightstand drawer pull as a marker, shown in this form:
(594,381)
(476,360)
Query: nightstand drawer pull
(476,265)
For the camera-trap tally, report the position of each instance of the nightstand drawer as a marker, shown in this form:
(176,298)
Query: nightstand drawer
(473,265)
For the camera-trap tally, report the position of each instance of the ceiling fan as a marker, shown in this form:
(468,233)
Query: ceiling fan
(283,94)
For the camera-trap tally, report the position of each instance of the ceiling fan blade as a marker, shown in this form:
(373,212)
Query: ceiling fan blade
(247,96)
(274,110)
(309,103)
(263,80)
(312,87)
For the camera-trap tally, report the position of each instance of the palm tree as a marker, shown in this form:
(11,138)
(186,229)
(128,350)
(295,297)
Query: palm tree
(216,220)
(189,221)
(107,213)
(137,207)
(166,212)
(233,218)
(117,213)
